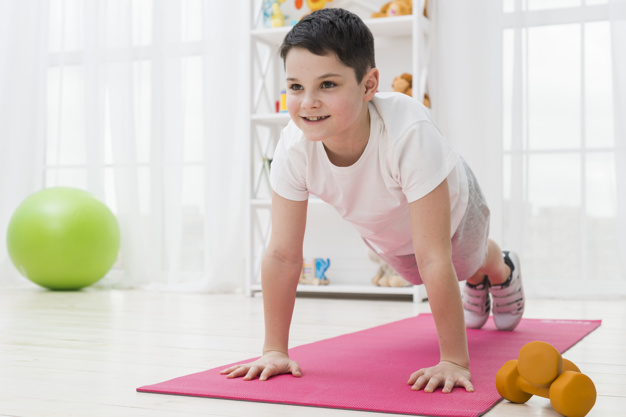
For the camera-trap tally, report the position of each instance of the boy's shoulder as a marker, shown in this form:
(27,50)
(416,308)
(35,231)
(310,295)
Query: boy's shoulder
(291,135)
(399,111)
(293,143)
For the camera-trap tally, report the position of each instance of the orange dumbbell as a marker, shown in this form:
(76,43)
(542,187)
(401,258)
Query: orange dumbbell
(540,370)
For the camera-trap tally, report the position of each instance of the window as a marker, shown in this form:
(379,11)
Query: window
(125,103)
(558,142)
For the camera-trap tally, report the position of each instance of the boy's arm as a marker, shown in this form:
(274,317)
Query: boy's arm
(281,268)
(430,228)
(280,271)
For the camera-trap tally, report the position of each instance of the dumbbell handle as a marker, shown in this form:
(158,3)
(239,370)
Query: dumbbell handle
(544,391)
(532,389)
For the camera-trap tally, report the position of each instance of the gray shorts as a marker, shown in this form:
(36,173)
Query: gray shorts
(469,242)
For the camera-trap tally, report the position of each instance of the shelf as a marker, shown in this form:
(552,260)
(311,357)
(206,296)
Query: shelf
(389,27)
(403,43)
(424,24)
(381,28)
(270,119)
(266,202)
(271,36)
(355,289)
(349,289)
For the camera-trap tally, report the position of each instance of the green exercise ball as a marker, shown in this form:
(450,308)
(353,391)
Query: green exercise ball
(63,239)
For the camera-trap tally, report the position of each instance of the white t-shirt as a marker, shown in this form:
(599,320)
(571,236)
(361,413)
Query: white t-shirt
(405,158)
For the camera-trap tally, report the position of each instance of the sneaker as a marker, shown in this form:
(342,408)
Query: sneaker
(476,304)
(508,297)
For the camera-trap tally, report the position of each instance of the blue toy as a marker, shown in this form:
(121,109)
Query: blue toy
(315,272)
(321,266)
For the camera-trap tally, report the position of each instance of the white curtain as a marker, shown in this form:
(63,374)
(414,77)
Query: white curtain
(618,39)
(22,112)
(467,83)
(545,138)
(143,103)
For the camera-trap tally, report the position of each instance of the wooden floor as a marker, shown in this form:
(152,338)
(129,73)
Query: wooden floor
(84,354)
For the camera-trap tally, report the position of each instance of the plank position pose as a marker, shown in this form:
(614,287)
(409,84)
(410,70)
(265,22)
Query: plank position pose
(379,160)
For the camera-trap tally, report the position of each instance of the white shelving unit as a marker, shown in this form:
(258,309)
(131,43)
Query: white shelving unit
(402,45)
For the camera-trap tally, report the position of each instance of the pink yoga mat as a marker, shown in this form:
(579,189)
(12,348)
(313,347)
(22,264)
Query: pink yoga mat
(368,370)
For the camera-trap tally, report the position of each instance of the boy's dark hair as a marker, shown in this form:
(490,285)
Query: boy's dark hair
(334,31)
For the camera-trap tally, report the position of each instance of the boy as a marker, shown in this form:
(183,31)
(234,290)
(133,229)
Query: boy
(381,163)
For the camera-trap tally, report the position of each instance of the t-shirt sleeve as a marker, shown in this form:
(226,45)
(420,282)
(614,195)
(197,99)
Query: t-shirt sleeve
(424,158)
(288,171)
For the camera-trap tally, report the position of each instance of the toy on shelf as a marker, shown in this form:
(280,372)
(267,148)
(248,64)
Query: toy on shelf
(386,276)
(540,370)
(315,272)
(282,107)
(395,8)
(272,15)
(404,84)
(278,18)
(314,5)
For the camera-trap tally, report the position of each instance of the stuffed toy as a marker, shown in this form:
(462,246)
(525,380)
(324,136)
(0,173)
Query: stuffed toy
(403,84)
(395,8)
(278,18)
(314,5)
(386,276)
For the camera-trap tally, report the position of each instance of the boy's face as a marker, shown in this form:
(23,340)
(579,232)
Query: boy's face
(324,98)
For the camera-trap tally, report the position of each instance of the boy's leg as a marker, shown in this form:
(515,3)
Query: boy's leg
(505,286)
(494,267)
(476,301)
(508,296)
(499,275)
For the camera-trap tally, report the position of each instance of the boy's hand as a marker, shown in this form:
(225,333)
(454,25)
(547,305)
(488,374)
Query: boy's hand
(268,365)
(446,374)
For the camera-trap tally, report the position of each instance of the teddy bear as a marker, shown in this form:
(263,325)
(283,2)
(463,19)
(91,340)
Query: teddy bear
(395,8)
(404,84)
(386,276)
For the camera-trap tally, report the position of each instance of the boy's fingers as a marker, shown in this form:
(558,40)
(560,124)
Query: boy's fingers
(432,384)
(414,376)
(467,385)
(239,371)
(295,370)
(268,372)
(229,370)
(419,383)
(263,371)
(448,386)
(254,371)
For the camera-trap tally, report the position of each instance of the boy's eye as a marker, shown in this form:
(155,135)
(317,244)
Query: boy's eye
(295,87)
(328,84)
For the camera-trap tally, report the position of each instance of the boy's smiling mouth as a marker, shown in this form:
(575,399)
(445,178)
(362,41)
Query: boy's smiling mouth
(315,118)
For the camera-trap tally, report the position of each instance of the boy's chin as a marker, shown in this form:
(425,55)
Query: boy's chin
(314,138)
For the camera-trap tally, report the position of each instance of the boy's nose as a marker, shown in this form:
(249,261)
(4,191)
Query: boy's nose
(310,101)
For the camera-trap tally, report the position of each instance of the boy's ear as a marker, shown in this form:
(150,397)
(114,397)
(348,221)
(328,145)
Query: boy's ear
(370,81)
